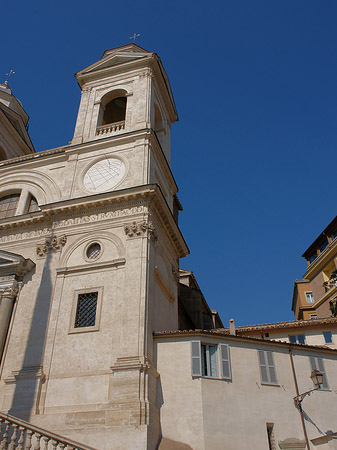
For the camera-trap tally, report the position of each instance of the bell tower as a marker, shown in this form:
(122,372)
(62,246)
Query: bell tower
(123,128)
(125,91)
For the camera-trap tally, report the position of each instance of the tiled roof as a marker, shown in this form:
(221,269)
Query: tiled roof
(289,324)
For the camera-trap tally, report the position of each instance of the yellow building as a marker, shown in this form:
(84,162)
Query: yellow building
(315,296)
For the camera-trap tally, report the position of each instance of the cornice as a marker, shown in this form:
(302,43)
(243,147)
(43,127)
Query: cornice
(52,213)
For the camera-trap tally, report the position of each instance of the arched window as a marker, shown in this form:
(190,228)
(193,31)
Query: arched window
(17,203)
(112,112)
(8,205)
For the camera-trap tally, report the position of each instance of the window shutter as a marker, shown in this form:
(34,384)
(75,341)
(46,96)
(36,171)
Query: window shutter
(267,367)
(271,367)
(225,362)
(263,366)
(196,358)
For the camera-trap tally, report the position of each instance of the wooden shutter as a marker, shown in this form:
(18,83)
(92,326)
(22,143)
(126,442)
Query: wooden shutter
(263,366)
(196,358)
(271,367)
(225,362)
(267,367)
(317,363)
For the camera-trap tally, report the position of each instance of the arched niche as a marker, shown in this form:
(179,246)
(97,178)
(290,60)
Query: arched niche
(112,108)
(111,248)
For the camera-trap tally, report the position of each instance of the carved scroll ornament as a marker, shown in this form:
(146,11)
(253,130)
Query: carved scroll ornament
(55,243)
(137,229)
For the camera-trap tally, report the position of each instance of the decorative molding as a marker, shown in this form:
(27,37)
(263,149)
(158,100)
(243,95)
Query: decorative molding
(25,235)
(147,73)
(91,267)
(99,216)
(55,243)
(9,290)
(138,229)
(25,373)
(140,363)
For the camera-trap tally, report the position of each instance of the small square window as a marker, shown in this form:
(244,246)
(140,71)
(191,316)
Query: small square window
(86,310)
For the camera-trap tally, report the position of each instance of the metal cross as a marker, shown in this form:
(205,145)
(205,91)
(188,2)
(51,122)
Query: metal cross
(134,36)
(11,72)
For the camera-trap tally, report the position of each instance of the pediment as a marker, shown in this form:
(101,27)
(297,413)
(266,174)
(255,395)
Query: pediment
(14,263)
(117,56)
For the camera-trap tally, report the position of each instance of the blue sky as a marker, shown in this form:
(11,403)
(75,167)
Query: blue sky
(254,151)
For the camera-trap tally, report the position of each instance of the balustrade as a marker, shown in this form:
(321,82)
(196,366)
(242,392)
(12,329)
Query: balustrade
(110,128)
(16,434)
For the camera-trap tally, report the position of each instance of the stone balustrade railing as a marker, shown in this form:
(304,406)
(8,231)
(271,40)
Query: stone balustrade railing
(110,128)
(16,434)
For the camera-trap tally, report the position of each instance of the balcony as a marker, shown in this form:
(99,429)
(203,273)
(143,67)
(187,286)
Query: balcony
(110,128)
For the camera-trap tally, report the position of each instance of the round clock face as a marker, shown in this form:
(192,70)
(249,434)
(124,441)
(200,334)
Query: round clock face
(104,175)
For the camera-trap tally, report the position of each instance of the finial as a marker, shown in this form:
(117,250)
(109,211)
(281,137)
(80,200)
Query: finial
(134,36)
(11,72)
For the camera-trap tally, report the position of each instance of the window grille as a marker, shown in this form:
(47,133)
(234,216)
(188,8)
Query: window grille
(94,250)
(86,310)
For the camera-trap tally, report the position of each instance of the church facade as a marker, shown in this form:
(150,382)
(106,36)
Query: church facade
(104,340)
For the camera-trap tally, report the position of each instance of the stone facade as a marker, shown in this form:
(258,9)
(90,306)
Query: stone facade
(110,190)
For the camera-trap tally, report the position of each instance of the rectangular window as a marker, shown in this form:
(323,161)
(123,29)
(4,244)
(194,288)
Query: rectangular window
(313,316)
(317,363)
(309,297)
(327,337)
(267,367)
(207,358)
(297,339)
(86,310)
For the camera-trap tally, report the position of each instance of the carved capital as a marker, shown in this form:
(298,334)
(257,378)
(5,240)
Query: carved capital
(138,229)
(147,73)
(55,243)
(10,290)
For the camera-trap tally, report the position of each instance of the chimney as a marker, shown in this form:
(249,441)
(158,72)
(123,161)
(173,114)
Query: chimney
(232,327)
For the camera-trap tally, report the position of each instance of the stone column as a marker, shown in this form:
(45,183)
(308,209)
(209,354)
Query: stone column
(8,295)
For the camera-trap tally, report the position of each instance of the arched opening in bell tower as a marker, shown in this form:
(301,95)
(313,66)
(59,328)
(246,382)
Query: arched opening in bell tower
(113,110)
